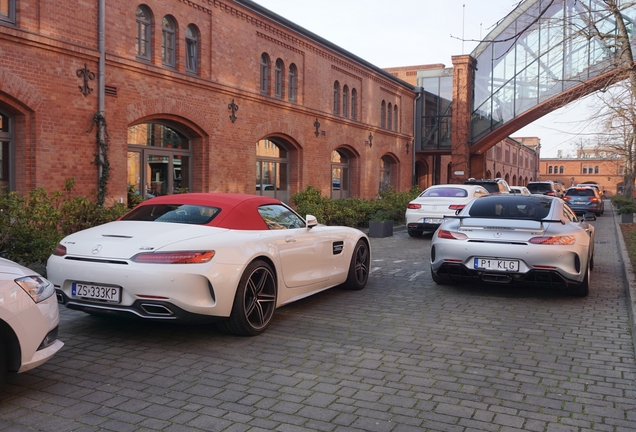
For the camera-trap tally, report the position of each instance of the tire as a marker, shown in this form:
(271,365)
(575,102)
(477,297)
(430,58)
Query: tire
(583,289)
(359,267)
(254,302)
(414,233)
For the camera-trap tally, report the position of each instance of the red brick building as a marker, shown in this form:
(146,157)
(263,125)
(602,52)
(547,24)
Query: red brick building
(206,95)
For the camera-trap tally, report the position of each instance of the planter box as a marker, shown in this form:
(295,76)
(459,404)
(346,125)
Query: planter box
(381,229)
(627,218)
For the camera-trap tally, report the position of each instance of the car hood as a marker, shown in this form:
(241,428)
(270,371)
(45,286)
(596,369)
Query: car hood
(13,270)
(124,239)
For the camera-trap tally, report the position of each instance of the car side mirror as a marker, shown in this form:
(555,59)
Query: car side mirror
(588,217)
(311,221)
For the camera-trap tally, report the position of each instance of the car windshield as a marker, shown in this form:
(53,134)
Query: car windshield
(539,187)
(580,192)
(491,187)
(175,213)
(513,208)
(445,192)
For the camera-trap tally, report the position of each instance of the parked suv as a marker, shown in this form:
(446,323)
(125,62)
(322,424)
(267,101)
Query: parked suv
(493,186)
(584,199)
(547,187)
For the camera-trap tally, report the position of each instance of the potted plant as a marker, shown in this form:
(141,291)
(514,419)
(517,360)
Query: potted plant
(627,212)
(381,224)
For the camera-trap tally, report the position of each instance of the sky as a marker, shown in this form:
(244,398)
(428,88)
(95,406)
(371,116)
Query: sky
(416,32)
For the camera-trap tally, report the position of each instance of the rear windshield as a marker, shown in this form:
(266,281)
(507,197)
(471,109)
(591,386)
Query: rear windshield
(580,192)
(514,208)
(175,213)
(445,192)
(539,187)
(491,187)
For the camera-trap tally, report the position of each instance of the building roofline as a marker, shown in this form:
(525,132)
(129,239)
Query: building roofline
(254,7)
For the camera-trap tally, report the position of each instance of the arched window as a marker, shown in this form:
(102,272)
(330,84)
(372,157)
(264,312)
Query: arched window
(159,158)
(143,42)
(336,97)
(345,101)
(265,64)
(395,118)
(561,169)
(6,146)
(168,41)
(292,83)
(278,79)
(596,169)
(386,168)
(354,104)
(584,169)
(339,175)
(272,170)
(389,117)
(550,169)
(383,114)
(192,49)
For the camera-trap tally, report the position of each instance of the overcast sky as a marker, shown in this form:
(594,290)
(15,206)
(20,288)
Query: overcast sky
(416,32)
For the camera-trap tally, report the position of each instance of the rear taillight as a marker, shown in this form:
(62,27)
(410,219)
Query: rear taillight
(556,240)
(184,257)
(59,250)
(452,235)
(456,206)
(566,198)
(550,193)
(414,206)
(593,199)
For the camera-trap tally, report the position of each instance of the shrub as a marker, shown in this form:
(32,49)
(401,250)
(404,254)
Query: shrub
(620,200)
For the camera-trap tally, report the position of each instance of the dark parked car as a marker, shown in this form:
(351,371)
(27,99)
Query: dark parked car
(493,186)
(547,187)
(584,199)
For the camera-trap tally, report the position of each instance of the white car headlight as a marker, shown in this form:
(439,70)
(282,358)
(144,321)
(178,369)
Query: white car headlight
(37,287)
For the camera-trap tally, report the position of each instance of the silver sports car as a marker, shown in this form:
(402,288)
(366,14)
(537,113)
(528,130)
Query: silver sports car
(515,239)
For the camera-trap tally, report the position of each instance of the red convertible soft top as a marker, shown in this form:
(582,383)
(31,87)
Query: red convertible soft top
(238,211)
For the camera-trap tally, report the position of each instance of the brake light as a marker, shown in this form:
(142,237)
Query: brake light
(414,206)
(567,198)
(456,206)
(555,240)
(550,193)
(183,257)
(452,235)
(59,250)
(593,199)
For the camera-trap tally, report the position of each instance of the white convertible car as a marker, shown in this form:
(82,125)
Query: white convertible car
(206,256)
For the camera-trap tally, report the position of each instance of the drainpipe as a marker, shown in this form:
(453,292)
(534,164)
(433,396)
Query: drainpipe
(417,132)
(101,83)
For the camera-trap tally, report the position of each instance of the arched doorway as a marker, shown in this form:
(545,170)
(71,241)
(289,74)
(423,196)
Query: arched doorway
(159,159)
(272,169)
(340,174)
(422,175)
(6,153)
(388,173)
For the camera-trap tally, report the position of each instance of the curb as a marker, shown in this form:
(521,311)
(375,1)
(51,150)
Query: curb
(630,279)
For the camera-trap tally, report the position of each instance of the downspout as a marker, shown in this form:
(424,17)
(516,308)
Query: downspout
(101,94)
(417,132)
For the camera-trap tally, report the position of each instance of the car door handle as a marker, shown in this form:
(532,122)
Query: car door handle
(290,239)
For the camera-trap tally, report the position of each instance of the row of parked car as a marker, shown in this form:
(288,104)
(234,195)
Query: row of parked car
(484,231)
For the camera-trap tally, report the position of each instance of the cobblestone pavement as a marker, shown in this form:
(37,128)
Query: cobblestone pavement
(402,355)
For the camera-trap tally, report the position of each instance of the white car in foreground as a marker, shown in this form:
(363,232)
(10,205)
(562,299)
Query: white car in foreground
(426,212)
(230,258)
(29,319)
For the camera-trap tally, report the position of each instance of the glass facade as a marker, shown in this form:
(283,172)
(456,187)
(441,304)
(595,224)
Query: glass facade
(526,61)
(437,109)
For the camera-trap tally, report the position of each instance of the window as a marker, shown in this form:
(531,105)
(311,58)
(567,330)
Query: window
(6,157)
(596,169)
(345,101)
(383,114)
(339,174)
(168,41)
(336,97)
(561,169)
(7,11)
(395,118)
(192,49)
(584,169)
(278,79)
(265,63)
(158,160)
(386,168)
(354,104)
(292,83)
(272,170)
(279,217)
(144,25)
(550,169)
(389,117)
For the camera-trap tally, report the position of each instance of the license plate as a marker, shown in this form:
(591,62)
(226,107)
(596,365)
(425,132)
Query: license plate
(433,221)
(96,292)
(496,264)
